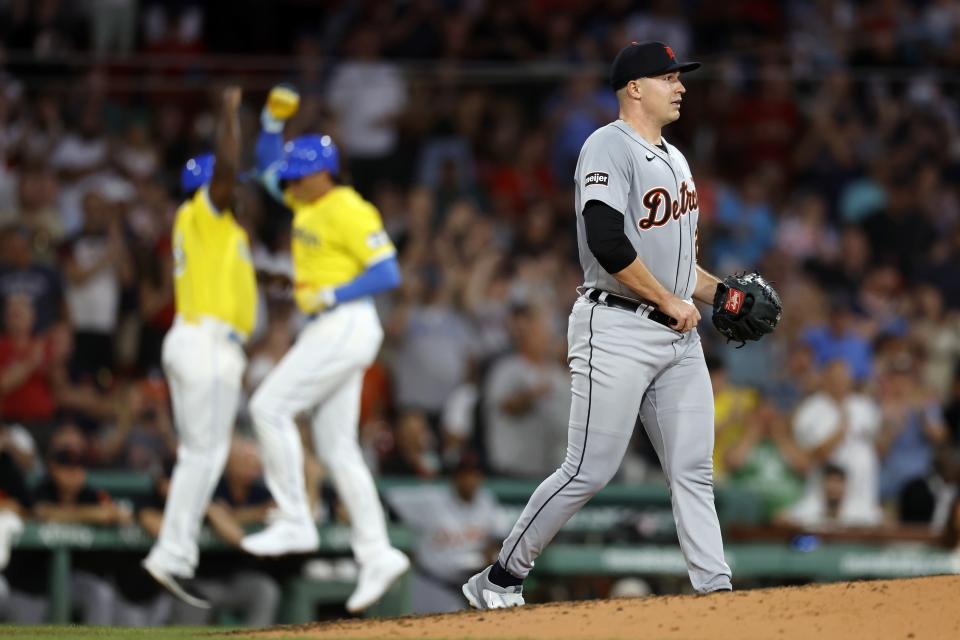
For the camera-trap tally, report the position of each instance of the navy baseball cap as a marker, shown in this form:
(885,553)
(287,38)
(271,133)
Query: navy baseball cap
(643,60)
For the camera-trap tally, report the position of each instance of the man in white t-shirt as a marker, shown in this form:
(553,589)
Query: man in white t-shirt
(839,426)
(96,265)
(367,95)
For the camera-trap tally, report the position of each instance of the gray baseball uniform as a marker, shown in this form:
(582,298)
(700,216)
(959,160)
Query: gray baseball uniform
(623,362)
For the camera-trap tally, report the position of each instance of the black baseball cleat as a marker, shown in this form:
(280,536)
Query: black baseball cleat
(182,588)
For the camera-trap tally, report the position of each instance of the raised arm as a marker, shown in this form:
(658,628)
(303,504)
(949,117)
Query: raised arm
(226,151)
(282,104)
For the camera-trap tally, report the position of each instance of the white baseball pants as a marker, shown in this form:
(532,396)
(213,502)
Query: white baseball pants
(323,373)
(204,366)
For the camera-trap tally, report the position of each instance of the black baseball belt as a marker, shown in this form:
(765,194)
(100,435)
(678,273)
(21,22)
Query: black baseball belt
(619,302)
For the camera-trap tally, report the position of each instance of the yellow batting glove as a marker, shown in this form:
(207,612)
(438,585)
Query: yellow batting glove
(283,102)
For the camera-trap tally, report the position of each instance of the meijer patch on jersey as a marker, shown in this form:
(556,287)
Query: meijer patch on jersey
(596,177)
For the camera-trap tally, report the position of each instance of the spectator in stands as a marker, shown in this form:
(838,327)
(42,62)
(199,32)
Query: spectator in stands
(733,407)
(20,274)
(841,276)
(898,232)
(143,435)
(765,121)
(838,339)
(414,451)
(767,460)
(35,211)
(456,527)
(840,426)
(26,387)
(141,601)
(527,402)
(458,423)
(97,264)
(745,225)
(89,402)
(662,20)
(155,293)
(238,585)
(521,180)
(804,232)
(937,334)
(150,507)
(368,95)
(63,496)
(794,381)
(434,345)
(823,510)
(884,303)
(912,427)
(581,106)
(943,262)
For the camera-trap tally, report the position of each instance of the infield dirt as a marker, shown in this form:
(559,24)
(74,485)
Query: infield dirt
(917,608)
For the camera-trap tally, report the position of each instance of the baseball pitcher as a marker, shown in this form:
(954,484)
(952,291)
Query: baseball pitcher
(633,342)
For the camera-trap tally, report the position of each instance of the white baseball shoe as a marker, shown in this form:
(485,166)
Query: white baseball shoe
(282,537)
(183,588)
(483,594)
(376,577)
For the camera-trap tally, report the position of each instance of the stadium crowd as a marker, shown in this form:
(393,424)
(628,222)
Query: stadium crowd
(825,143)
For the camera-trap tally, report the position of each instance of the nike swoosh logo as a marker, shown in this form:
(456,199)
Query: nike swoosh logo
(650,157)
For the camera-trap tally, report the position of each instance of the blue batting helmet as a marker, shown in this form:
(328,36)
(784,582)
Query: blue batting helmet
(197,172)
(307,155)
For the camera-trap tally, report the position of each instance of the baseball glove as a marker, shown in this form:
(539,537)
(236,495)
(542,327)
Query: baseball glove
(746,307)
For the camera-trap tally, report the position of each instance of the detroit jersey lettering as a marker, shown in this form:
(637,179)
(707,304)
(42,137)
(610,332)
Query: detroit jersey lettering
(654,190)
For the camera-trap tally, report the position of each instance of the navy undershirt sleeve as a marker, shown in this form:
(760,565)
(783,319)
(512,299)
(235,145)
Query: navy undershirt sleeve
(605,237)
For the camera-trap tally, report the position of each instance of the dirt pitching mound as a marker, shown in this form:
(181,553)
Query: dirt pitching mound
(917,608)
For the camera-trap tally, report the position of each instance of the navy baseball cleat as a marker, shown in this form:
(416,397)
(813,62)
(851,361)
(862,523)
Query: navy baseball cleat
(483,594)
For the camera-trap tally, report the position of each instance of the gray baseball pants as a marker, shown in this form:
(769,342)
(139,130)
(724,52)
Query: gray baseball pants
(623,363)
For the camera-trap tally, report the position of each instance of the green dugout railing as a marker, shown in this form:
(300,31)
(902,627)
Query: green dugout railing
(827,561)
(62,540)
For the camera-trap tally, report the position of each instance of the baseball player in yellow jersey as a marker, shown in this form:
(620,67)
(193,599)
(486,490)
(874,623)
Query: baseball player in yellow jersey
(203,357)
(341,258)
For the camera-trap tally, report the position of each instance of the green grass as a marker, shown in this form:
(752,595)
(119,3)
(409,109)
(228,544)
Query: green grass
(73,632)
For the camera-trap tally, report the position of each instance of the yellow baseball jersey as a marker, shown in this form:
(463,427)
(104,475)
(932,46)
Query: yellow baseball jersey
(213,272)
(335,239)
